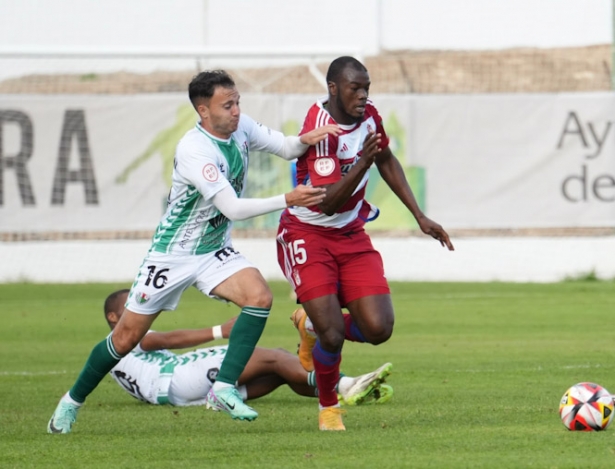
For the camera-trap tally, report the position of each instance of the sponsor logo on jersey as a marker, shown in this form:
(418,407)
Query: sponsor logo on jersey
(129,384)
(324,166)
(344,147)
(142,298)
(210,172)
(212,374)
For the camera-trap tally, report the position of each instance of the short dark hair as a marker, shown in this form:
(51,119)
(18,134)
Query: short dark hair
(204,84)
(338,65)
(112,300)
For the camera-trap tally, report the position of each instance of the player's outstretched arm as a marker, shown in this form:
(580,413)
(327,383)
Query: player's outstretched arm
(183,338)
(235,208)
(319,134)
(392,172)
(294,147)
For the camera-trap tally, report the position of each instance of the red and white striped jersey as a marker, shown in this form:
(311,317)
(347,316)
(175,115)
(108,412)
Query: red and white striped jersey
(328,161)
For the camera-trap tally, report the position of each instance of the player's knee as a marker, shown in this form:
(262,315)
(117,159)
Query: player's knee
(331,340)
(380,336)
(379,333)
(261,297)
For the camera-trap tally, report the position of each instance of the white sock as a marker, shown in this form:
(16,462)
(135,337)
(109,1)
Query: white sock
(344,384)
(336,405)
(66,397)
(219,385)
(243,391)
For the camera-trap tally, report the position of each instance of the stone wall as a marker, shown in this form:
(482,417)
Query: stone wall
(501,71)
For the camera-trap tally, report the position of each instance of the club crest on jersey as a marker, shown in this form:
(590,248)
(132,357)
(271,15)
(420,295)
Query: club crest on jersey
(296,278)
(210,172)
(324,166)
(142,298)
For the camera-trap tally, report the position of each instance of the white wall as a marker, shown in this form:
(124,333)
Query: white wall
(514,259)
(362,28)
(397,24)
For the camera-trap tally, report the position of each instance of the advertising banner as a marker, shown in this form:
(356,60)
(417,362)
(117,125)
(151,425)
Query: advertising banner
(72,163)
(518,161)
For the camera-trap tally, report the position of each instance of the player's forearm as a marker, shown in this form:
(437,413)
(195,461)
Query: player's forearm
(178,339)
(339,193)
(292,148)
(234,208)
(393,174)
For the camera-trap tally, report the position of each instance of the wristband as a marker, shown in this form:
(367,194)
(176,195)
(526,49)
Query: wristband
(217,331)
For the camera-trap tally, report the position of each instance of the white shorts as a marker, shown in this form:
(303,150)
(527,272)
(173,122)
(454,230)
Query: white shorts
(162,278)
(191,381)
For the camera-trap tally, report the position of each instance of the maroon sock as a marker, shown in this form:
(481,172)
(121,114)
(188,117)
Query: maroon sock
(352,330)
(327,368)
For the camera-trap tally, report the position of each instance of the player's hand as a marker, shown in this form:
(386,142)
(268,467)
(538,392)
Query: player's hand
(304,196)
(371,147)
(227,327)
(434,230)
(320,133)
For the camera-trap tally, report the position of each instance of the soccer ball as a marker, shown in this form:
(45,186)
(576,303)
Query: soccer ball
(586,407)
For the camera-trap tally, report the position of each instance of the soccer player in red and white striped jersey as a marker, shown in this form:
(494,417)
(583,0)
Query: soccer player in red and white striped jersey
(324,250)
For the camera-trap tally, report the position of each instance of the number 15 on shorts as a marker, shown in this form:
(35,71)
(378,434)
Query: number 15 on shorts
(296,252)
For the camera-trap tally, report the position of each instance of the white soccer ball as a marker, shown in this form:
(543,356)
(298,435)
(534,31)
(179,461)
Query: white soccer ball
(586,407)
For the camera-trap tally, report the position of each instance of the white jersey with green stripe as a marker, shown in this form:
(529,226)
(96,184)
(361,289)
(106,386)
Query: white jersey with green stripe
(142,374)
(203,166)
(147,376)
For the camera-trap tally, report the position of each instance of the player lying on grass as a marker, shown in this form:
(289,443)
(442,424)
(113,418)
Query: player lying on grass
(156,375)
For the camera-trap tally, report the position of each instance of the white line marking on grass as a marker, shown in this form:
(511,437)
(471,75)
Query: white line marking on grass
(569,367)
(466,296)
(538,368)
(31,373)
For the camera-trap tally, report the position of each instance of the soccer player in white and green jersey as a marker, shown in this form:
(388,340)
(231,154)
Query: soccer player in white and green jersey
(192,244)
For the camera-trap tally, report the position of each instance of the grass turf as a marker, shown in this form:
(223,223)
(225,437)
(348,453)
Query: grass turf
(478,373)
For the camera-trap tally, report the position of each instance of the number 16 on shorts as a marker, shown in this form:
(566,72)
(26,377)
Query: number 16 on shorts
(156,278)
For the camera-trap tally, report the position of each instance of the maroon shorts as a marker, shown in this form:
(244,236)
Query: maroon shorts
(320,261)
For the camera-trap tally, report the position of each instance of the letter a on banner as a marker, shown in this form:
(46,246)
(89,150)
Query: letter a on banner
(74,126)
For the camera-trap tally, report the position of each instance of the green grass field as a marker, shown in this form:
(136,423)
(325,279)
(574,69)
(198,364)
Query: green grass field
(479,370)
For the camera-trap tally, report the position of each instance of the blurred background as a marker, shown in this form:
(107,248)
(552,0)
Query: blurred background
(502,114)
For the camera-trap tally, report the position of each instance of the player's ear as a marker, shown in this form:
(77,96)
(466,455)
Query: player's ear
(332,88)
(203,110)
(112,318)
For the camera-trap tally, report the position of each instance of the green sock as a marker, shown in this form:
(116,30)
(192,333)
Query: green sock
(244,336)
(100,362)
